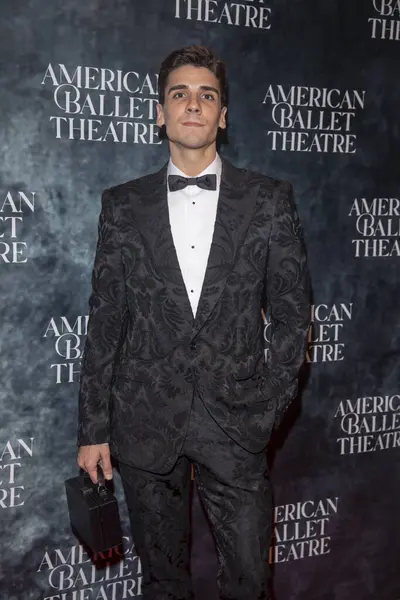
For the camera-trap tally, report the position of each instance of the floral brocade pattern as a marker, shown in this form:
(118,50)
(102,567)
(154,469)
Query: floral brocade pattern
(145,353)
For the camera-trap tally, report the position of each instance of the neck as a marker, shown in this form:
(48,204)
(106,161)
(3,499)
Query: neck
(192,161)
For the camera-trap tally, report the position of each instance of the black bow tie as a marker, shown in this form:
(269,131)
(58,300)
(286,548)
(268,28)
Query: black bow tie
(206,182)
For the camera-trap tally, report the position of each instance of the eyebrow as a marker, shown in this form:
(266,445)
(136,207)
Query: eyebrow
(181,86)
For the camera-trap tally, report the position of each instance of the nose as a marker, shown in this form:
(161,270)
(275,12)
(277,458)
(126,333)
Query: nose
(193,105)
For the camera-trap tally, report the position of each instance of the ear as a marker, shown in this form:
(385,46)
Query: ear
(160,115)
(222,118)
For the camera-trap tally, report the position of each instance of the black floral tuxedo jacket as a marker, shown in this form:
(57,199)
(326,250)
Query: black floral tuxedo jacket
(145,354)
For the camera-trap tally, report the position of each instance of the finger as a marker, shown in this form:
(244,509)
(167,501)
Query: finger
(92,474)
(106,466)
(90,467)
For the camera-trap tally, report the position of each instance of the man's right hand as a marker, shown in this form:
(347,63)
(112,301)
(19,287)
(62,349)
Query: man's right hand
(89,456)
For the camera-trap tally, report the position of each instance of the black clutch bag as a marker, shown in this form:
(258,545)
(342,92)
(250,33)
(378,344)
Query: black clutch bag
(93,512)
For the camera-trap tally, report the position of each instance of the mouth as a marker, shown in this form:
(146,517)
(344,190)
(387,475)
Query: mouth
(192,124)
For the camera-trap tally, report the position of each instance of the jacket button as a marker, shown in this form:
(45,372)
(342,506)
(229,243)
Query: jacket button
(193,345)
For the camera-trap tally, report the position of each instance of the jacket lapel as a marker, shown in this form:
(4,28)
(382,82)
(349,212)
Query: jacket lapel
(151,216)
(236,204)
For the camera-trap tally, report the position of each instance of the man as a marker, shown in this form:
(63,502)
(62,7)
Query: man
(173,372)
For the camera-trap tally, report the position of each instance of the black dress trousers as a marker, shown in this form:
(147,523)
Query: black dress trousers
(234,487)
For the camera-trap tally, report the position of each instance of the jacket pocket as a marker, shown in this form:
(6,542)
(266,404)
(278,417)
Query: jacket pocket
(250,369)
(135,369)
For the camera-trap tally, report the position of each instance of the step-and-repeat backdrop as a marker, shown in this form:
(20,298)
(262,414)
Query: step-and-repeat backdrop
(314,99)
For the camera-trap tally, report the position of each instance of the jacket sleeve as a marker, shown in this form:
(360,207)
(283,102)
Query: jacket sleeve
(288,300)
(107,309)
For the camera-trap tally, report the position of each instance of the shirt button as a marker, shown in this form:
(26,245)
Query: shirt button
(192,246)
(192,291)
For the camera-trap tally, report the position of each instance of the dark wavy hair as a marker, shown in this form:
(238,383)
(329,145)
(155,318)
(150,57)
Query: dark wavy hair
(198,56)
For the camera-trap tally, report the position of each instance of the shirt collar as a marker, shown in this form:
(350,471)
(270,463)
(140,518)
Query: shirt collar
(214,168)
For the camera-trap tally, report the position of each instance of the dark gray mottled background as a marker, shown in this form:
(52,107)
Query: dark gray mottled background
(322,44)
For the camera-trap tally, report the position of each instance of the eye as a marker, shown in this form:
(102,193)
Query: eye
(178,95)
(208,96)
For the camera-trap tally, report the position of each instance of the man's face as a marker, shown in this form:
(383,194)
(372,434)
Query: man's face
(192,110)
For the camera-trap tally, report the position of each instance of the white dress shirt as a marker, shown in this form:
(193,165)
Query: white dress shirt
(192,213)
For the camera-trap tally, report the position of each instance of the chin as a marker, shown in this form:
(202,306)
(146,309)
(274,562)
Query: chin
(192,142)
(192,145)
